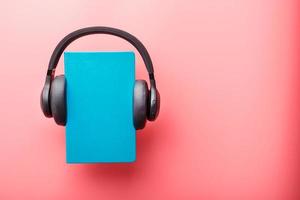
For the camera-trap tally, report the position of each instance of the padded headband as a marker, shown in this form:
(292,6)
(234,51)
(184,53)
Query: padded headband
(62,45)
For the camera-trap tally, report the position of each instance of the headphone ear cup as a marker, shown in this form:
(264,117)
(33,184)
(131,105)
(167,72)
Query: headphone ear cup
(140,103)
(154,104)
(44,100)
(58,100)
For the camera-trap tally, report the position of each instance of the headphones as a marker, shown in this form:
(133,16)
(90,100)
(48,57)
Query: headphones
(53,97)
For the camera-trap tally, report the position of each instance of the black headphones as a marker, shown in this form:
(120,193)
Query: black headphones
(53,97)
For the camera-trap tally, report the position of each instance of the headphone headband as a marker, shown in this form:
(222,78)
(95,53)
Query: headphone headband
(63,44)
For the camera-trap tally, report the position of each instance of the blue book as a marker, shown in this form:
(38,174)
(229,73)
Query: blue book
(99,92)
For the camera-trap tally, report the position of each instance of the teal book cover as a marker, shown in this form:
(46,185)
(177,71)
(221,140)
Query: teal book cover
(99,92)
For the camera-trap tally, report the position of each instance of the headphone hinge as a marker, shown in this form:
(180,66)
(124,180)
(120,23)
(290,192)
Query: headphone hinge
(50,73)
(152,81)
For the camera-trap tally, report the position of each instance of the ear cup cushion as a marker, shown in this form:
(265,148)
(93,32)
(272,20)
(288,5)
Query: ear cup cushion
(140,103)
(58,100)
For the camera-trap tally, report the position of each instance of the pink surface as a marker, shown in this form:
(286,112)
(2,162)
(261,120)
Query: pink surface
(228,73)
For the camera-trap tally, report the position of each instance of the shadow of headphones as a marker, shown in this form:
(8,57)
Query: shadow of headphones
(53,97)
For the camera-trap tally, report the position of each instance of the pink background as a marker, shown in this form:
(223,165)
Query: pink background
(228,73)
